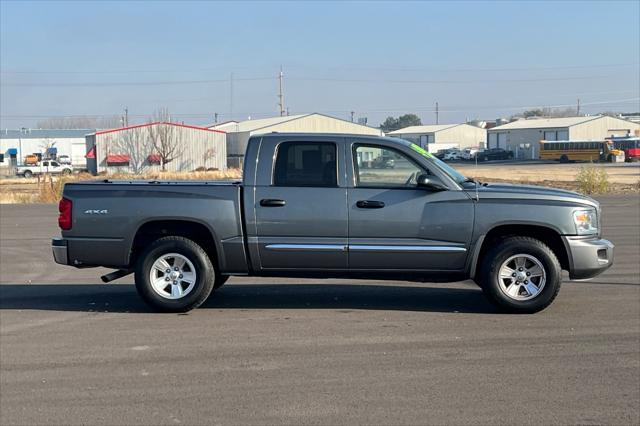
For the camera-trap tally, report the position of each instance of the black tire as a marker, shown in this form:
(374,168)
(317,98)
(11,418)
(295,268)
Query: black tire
(66,172)
(501,252)
(564,158)
(485,158)
(28,174)
(205,274)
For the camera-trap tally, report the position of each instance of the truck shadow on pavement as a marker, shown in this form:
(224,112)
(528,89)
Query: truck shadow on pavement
(123,298)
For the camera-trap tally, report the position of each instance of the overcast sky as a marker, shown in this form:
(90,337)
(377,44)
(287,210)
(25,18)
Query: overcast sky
(476,59)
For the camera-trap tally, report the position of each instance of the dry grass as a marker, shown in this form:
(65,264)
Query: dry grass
(210,175)
(593,180)
(48,189)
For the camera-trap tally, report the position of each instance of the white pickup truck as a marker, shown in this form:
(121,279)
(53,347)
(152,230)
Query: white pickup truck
(46,166)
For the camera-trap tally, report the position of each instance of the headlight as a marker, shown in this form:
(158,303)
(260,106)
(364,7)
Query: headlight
(586,222)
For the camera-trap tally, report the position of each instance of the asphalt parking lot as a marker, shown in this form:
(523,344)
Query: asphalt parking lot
(74,351)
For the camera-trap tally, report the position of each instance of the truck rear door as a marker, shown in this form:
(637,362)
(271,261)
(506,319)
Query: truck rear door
(300,203)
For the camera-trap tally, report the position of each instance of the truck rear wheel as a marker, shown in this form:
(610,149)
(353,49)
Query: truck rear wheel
(521,275)
(174,274)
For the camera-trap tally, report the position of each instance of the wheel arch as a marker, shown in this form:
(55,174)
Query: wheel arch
(548,235)
(153,229)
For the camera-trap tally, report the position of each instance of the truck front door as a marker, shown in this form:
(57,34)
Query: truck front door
(395,225)
(301,214)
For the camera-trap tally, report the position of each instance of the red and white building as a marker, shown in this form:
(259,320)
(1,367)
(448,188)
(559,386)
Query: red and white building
(150,146)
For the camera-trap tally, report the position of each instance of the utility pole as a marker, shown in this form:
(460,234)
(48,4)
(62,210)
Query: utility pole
(578,108)
(437,114)
(281,94)
(352,113)
(215,118)
(126,117)
(231,96)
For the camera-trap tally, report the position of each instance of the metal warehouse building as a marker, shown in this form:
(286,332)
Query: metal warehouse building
(238,134)
(461,135)
(16,144)
(523,136)
(154,146)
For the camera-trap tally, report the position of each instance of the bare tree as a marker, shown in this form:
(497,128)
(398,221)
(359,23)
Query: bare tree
(164,137)
(547,112)
(137,144)
(46,146)
(209,156)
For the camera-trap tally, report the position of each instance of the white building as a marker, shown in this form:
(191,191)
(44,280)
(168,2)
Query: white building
(131,149)
(443,135)
(238,133)
(523,136)
(17,144)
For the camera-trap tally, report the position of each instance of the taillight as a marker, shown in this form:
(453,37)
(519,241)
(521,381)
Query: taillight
(64,220)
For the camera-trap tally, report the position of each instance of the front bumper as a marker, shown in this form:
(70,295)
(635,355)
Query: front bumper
(60,251)
(588,257)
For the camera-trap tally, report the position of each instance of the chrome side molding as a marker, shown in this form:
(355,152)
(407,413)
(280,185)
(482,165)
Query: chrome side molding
(308,247)
(365,248)
(409,249)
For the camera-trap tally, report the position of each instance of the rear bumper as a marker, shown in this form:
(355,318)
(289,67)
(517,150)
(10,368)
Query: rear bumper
(588,257)
(60,251)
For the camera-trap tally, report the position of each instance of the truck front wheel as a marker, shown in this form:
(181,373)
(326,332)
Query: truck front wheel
(28,173)
(520,275)
(174,274)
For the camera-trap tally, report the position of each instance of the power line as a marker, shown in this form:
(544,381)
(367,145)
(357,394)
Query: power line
(343,67)
(409,108)
(139,83)
(402,81)
(326,79)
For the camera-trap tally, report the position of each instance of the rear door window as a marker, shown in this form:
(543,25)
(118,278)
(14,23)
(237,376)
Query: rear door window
(306,164)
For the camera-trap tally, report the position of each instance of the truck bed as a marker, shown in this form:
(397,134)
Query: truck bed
(108,214)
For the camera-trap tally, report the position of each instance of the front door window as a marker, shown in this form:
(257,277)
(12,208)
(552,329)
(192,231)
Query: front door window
(382,167)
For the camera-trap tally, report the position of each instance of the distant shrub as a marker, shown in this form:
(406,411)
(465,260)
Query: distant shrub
(593,180)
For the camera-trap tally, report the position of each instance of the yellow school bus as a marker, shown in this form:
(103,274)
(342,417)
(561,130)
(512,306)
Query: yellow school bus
(565,151)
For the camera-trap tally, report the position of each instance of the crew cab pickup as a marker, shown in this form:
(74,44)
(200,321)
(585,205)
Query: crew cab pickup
(322,205)
(45,166)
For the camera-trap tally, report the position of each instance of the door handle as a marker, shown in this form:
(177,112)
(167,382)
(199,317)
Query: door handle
(370,204)
(268,202)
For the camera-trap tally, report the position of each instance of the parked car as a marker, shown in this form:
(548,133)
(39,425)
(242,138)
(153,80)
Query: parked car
(494,154)
(305,209)
(440,154)
(452,154)
(64,159)
(383,163)
(469,153)
(47,166)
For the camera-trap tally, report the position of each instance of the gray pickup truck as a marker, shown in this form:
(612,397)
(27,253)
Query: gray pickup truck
(333,205)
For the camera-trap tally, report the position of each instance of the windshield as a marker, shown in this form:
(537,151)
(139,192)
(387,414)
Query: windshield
(450,171)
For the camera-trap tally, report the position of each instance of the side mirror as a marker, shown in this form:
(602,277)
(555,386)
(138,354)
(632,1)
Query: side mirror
(423,181)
